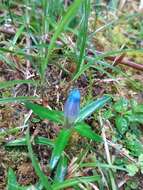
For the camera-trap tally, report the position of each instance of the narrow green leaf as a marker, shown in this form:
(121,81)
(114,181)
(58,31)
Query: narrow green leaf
(102,165)
(8,84)
(83,34)
(4,59)
(63,23)
(45,113)
(17,142)
(11,131)
(17,35)
(20,52)
(17,99)
(38,140)
(61,169)
(60,144)
(75,181)
(140,161)
(38,186)
(60,27)
(44,141)
(84,130)
(92,107)
(12,182)
(43,178)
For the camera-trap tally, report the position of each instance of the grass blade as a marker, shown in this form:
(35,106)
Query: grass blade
(61,169)
(102,165)
(8,84)
(83,34)
(75,181)
(60,27)
(17,99)
(38,140)
(5,60)
(17,35)
(43,178)
(11,131)
(12,182)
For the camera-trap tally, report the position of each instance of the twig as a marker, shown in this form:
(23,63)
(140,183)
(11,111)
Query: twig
(121,59)
(125,61)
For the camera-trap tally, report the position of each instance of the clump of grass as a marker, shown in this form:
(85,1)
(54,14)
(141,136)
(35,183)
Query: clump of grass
(41,34)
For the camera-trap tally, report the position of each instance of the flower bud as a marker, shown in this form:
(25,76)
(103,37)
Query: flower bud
(72,107)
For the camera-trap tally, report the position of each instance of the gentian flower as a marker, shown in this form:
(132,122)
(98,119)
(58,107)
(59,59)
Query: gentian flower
(72,107)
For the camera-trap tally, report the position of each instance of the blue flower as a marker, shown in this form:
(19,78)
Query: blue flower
(72,106)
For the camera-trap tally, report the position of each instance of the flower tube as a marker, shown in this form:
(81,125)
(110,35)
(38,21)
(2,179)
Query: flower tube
(72,107)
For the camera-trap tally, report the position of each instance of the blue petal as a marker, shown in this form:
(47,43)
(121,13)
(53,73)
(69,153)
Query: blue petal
(72,106)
